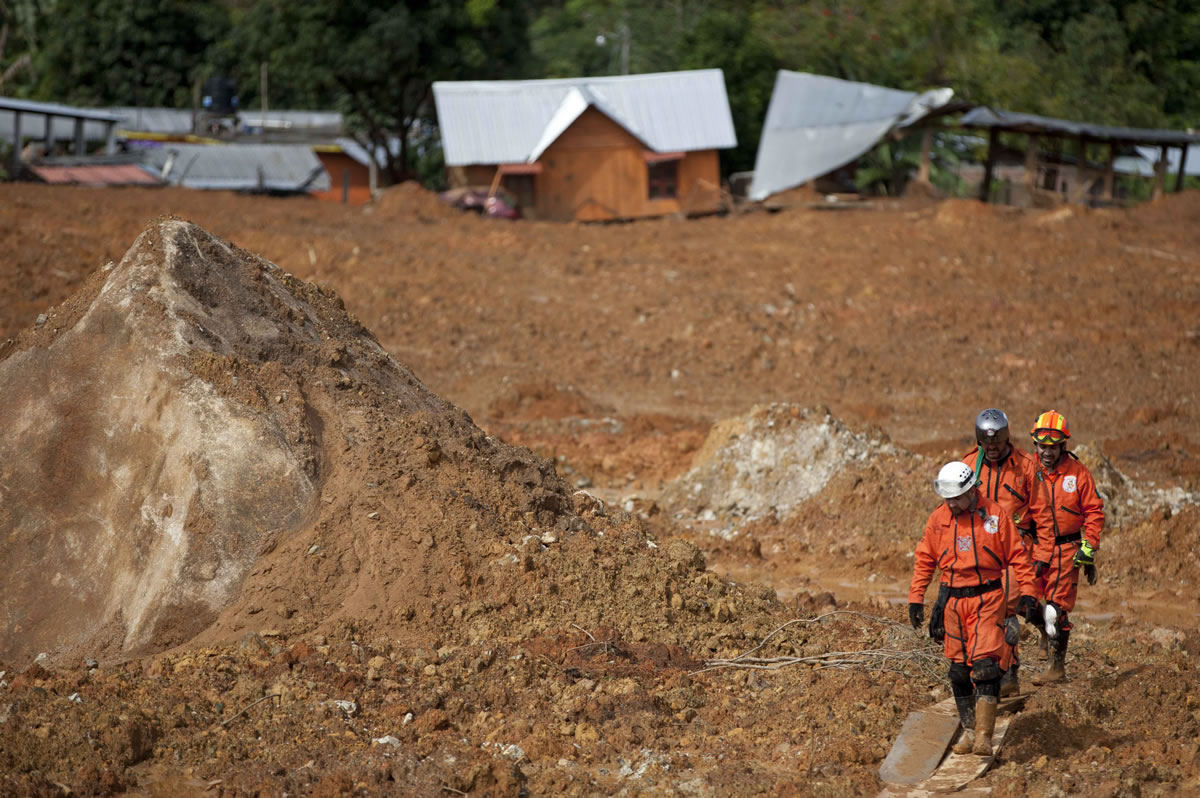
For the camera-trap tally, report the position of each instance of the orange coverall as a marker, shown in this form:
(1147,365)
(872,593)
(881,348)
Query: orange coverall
(1009,483)
(1067,509)
(972,550)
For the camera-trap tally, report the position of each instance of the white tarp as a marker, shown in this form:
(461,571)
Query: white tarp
(816,124)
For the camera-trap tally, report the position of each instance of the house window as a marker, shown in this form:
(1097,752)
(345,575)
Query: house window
(522,187)
(664,179)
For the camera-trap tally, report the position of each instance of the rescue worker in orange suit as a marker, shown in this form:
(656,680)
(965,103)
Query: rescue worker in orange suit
(972,540)
(1070,515)
(1005,475)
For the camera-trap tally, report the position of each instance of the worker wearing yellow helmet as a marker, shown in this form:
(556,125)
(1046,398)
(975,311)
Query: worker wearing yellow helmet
(1070,516)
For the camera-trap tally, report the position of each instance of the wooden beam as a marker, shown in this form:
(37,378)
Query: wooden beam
(1031,162)
(985,190)
(1109,180)
(1160,173)
(16,150)
(1183,153)
(926,148)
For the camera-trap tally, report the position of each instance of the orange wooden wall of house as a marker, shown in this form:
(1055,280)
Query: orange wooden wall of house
(360,178)
(595,171)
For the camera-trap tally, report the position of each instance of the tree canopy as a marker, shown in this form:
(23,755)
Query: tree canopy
(1129,62)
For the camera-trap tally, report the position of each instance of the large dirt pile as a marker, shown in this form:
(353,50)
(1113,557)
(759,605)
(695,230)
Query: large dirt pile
(205,444)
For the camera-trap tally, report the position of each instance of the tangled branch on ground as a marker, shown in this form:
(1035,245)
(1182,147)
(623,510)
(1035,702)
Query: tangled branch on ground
(902,651)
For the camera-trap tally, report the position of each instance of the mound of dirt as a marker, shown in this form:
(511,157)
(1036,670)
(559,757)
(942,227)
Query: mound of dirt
(207,446)
(412,200)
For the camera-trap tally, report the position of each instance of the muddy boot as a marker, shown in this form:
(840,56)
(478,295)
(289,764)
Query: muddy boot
(1056,672)
(966,713)
(985,724)
(1043,642)
(1010,683)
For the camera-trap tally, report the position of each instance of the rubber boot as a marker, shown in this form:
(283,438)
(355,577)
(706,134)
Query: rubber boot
(985,724)
(966,713)
(1043,642)
(1057,671)
(1010,683)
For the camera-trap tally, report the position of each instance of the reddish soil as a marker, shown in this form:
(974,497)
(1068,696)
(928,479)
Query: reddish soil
(504,635)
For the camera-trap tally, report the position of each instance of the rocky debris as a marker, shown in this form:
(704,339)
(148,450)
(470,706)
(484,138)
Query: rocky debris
(768,461)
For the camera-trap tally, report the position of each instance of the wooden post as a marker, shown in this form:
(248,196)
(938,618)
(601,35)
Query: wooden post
(1183,153)
(345,186)
(16,150)
(1081,172)
(110,137)
(1160,173)
(1108,170)
(985,190)
(49,137)
(1031,162)
(80,141)
(926,148)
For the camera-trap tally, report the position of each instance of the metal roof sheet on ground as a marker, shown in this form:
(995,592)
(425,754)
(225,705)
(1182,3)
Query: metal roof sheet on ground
(1143,163)
(1031,123)
(513,121)
(816,124)
(236,167)
(99,175)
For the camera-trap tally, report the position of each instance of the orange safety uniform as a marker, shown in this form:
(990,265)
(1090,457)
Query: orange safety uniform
(1067,510)
(1009,483)
(972,550)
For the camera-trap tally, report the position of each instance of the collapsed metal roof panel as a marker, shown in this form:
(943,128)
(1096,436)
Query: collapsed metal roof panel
(513,121)
(983,117)
(816,124)
(274,167)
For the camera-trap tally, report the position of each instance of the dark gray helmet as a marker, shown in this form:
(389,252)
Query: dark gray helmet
(991,426)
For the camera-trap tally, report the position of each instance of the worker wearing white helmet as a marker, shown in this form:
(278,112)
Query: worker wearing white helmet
(972,540)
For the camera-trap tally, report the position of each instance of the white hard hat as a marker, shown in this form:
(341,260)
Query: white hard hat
(953,480)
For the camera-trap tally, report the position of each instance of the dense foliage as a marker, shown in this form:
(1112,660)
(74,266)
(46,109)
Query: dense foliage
(1132,62)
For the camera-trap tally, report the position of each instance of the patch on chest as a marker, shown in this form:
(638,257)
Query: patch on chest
(1069,484)
(991,524)
(964,544)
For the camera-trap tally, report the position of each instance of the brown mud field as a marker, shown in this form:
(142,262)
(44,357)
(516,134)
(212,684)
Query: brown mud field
(298,498)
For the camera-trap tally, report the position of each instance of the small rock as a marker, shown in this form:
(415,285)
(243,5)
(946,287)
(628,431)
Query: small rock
(373,516)
(41,319)
(386,740)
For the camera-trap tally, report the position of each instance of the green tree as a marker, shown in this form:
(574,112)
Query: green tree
(377,63)
(126,52)
(726,39)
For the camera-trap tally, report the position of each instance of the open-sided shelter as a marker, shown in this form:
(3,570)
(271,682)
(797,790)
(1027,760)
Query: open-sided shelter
(1041,129)
(591,148)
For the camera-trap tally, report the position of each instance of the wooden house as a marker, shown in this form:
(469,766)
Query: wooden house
(591,149)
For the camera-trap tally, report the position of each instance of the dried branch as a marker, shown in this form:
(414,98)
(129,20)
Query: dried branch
(902,658)
(227,721)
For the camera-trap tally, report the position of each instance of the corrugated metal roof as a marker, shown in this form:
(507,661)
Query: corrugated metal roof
(284,167)
(55,109)
(178,121)
(101,175)
(816,124)
(1031,123)
(513,121)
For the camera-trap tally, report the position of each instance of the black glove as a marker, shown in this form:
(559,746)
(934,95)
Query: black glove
(1029,608)
(1039,568)
(1089,571)
(937,618)
(916,614)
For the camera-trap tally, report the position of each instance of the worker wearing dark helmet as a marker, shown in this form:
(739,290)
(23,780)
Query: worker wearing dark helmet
(972,540)
(1006,475)
(1070,516)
